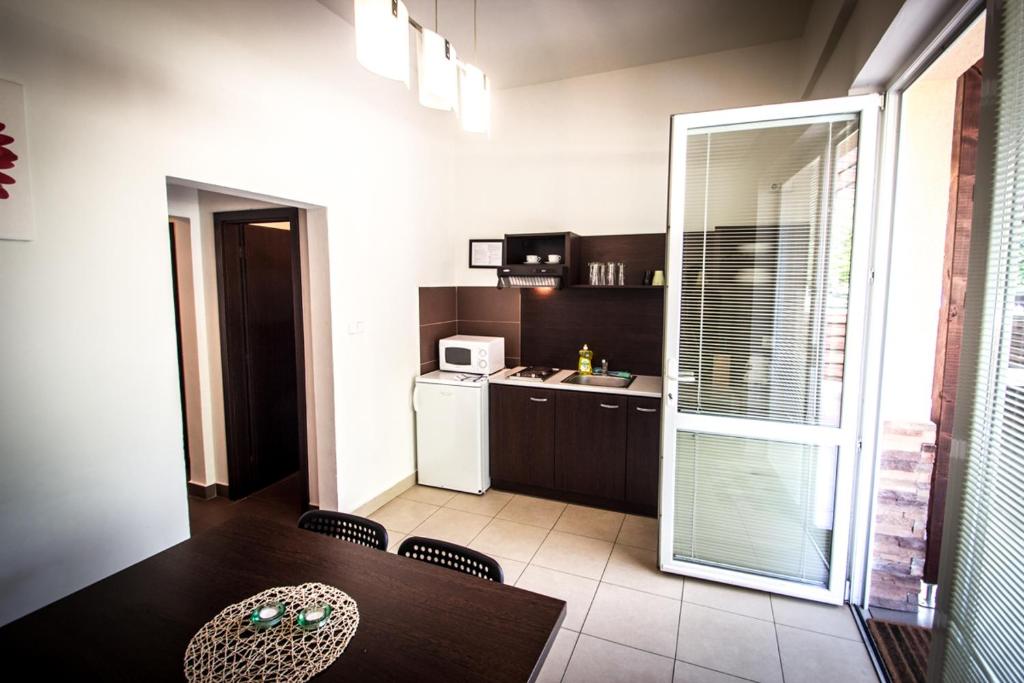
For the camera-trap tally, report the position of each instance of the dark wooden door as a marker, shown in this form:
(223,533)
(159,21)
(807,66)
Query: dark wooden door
(954,286)
(258,349)
(643,452)
(522,435)
(591,444)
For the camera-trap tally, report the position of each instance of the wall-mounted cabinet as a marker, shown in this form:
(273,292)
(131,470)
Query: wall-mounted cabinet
(562,259)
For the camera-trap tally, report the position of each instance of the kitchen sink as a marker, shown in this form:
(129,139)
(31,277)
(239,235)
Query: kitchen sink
(598,381)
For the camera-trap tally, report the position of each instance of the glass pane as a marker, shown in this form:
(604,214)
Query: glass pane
(768,232)
(754,505)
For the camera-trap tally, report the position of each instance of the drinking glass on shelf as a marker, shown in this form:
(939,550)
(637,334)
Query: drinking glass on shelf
(622,274)
(610,273)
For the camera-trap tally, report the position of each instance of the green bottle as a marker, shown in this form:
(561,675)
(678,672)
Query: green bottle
(586,366)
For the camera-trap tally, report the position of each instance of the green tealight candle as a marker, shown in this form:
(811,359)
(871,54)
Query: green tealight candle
(267,616)
(313,617)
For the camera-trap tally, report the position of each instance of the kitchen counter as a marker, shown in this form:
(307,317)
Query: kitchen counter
(648,386)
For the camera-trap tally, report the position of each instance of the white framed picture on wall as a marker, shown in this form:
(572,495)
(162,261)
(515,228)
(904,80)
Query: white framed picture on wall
(16,219)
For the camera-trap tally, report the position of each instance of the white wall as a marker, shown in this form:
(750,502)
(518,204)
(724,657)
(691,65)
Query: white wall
(590,154)
(920,217)
(121,95)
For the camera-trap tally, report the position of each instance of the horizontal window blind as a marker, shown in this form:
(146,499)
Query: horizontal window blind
(985,613)
(755,505)
(765,276)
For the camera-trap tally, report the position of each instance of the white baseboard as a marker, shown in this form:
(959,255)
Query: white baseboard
(371,505)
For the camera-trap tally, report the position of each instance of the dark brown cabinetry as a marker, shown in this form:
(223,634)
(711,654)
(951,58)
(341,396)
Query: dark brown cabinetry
(590,448)
(590,444)
(643,454)
(522,435)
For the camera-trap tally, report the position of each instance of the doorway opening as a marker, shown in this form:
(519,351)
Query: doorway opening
(260,297)
(928,272)
(246,289)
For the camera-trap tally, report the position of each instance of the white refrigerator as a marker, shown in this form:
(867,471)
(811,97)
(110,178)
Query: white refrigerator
(451,431)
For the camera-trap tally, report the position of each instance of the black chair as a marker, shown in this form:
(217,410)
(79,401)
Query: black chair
(452,556)
(346,527)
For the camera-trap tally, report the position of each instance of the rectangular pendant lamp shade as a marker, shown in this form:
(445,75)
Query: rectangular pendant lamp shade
(382,38)
(474,99)
(436,71)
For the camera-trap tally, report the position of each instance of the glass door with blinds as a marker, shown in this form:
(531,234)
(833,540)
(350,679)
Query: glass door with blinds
(769,220)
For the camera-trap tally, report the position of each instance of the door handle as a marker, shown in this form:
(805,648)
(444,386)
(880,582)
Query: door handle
(608,405)
(538,400)
(646,410)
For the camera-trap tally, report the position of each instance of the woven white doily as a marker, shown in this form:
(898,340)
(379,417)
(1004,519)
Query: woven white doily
(227,649)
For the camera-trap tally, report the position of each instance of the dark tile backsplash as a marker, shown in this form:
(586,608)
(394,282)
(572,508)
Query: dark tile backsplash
(488,303)
(484,311)
(548,328)
(437,305)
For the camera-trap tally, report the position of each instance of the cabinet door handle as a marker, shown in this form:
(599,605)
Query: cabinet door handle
(646,410)
(608,405)
(538,400)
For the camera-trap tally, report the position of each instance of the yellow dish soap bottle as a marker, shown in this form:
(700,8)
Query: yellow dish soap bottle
(586,366)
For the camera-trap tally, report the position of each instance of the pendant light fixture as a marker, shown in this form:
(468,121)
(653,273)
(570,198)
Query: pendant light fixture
(474,94)
(437,75)
(474,99)
(444,82)
(382,38)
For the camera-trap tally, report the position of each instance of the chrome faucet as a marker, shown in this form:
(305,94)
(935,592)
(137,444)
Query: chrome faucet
(604,366)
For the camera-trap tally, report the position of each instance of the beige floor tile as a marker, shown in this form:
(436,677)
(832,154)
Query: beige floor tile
(638,568)
(558,657)
(509,539)
(730,643)
(584,521)
(427,494)
(812,657)
(453,526)
(577,592)
(640,532)
(533,511)
(598,661)
(573,554)
(815,616)
(403,515)
(489,503)
(751,603)
(394,540)
(690,673)
(512,569)
(628,617)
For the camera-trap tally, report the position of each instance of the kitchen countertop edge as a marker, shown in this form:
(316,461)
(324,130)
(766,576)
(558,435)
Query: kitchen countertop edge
(646,386)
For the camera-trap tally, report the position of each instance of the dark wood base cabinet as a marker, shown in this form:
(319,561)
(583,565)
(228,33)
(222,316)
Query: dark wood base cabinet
(588,448)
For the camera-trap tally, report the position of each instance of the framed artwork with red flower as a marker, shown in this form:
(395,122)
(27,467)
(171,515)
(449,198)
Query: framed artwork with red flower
(16,219)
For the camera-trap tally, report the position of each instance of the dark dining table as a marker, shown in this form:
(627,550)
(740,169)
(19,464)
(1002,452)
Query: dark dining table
(418,622)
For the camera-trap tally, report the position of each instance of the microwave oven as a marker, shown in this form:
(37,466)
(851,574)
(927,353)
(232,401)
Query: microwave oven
(468,353)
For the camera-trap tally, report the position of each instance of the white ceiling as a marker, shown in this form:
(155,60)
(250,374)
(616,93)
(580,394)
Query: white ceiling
(521,42)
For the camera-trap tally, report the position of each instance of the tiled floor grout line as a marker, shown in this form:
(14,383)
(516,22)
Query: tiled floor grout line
(494,517)
(591,606)
(778,645)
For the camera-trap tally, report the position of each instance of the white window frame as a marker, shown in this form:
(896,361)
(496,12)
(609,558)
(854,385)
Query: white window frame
(847,436)
(866,498)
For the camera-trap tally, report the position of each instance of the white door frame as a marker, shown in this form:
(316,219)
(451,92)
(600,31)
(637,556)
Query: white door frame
(863,537)
(847,436)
